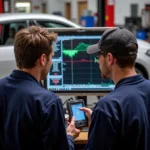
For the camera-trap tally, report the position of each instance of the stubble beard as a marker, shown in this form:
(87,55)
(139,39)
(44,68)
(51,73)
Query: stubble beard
(105,72)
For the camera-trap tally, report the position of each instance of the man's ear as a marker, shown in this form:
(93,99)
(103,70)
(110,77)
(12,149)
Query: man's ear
(42,59)
(110,59)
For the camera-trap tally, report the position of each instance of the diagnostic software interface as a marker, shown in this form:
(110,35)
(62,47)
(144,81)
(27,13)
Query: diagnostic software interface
(73,69)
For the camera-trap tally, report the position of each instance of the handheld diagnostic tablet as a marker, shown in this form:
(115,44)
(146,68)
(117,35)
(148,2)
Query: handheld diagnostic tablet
(80,117)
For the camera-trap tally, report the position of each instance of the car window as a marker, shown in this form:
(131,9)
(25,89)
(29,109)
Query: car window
(51,24)
(8,31)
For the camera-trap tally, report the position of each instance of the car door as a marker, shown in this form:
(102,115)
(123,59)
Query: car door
(7,33)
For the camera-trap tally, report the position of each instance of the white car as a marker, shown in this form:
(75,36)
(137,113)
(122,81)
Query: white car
(18,21)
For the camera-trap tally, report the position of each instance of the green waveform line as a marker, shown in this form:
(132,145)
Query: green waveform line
(82,46)
(95,60)
(72,52)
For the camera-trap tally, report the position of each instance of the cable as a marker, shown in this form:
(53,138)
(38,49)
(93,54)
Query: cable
(70,99)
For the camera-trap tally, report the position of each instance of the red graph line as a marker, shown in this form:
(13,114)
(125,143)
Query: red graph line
(78,61)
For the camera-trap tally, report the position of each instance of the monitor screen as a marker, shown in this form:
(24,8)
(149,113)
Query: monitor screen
(74,70)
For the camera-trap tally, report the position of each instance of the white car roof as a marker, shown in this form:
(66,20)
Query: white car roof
(22,16)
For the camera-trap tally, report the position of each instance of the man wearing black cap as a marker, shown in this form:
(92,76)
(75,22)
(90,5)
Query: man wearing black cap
(121,119)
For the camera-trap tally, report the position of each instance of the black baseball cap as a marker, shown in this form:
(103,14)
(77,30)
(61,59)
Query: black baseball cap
(118,41)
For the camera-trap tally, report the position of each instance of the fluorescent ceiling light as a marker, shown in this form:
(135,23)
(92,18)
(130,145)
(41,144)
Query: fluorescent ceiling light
(22,4)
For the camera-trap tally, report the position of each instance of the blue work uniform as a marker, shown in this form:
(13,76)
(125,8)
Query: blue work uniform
(121,119)
(31,117)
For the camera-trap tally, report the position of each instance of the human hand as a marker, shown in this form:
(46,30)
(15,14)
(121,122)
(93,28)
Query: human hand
(72,130)
(88,113)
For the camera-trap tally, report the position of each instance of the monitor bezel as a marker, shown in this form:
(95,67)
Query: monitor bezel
(89,30)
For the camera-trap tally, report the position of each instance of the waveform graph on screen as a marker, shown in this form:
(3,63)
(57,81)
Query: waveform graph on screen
(79,67)
(73,69)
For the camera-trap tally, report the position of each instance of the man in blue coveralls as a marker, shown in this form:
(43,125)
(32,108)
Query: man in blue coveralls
(31,117)
(121,119)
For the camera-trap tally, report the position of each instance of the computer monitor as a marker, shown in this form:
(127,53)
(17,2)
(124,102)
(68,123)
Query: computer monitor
(73,70)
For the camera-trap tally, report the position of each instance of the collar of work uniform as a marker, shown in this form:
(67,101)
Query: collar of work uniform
(23,75)
(130,80)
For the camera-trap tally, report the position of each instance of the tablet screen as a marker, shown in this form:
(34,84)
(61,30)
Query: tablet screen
(78,114)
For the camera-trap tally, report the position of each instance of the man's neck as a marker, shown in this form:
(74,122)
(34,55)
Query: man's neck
(34,72)
(119,74)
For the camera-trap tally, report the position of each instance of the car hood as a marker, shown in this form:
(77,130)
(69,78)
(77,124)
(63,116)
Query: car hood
(143,44)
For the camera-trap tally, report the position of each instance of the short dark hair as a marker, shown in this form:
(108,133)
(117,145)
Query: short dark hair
(125,61)
(30,43)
